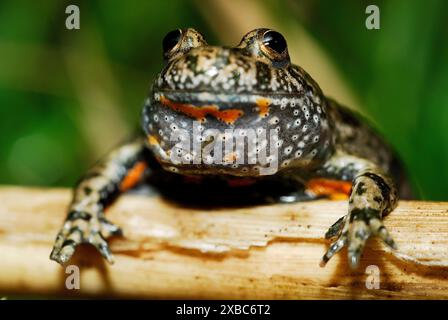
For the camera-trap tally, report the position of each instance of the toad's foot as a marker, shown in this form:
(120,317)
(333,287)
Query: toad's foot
(373,196)
(83,227)
(121,170)
(353,231)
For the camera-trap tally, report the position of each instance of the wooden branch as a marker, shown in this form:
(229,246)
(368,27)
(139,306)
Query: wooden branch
(268,252)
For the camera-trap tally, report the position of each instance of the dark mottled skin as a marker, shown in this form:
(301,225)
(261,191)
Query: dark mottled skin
(250,86)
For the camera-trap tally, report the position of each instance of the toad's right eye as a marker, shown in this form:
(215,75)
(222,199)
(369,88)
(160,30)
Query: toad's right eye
(274,41)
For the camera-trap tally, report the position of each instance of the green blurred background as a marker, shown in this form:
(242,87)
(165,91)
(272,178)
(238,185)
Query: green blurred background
(68,96)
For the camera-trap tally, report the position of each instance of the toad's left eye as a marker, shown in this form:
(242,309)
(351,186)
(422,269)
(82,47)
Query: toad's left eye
(171,39)
(275,41)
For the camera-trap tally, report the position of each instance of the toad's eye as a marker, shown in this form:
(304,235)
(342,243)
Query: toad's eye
(171,39)
(274,41)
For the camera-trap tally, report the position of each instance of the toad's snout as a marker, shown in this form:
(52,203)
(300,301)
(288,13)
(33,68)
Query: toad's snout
(210,69)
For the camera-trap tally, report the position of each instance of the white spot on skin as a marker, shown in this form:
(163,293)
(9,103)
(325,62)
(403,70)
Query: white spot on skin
(270,159)
(208,159)
(274,120)
(285,163)
(284,102)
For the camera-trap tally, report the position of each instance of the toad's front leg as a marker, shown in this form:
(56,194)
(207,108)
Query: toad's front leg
(373,196)
(85,222)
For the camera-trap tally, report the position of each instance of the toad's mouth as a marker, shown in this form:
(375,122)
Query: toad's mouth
(210,97)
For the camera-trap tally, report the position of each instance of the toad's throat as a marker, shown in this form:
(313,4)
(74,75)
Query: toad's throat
(199,113)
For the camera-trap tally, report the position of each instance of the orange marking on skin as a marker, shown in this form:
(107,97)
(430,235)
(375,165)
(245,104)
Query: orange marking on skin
(153,140)
(334,189)
(199,112)
(133,177)
(263,106)
(230,157)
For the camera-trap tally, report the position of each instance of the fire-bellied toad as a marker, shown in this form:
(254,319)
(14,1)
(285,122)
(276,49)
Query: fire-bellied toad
(242,121)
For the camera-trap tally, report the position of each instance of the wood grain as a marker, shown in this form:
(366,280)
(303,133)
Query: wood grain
(263,252)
